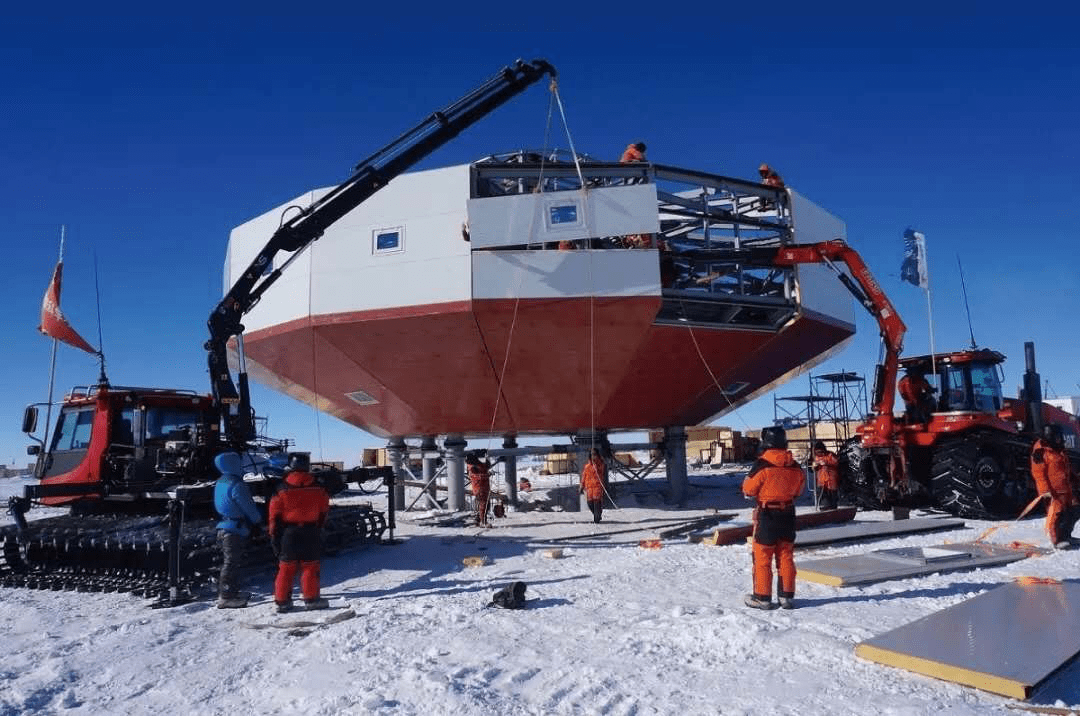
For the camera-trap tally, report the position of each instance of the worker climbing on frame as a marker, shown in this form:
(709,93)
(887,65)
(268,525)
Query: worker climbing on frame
(297,513)
(774,482)
(634,152)
(1052,472)
(827,471)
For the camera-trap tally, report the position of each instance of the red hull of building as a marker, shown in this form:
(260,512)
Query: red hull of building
(566,365)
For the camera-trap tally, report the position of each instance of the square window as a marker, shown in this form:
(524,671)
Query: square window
(388,241)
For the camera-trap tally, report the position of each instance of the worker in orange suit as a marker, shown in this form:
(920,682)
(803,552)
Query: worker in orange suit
(297,514)
(1052,472)
(592,484)
(633,153)
(769,177)
(917,395)
(827,470)
(480,481)
(774,482)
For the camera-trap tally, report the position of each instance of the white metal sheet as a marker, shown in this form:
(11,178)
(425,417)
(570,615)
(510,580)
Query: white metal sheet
(887,564)
(561,274)
(519,219)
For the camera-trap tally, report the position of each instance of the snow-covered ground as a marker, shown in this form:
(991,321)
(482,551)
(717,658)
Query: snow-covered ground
(611,628)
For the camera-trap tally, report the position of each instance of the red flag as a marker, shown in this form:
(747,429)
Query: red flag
(53,323)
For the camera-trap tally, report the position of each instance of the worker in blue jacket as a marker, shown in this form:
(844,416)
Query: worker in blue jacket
(239,515)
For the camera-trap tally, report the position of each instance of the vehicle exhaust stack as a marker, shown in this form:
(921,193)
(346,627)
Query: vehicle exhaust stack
(1032,390)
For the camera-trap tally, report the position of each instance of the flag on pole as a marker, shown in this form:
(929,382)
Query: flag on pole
(53,323)
(913,270)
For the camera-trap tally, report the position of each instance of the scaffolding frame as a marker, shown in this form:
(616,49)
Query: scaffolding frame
(837,398)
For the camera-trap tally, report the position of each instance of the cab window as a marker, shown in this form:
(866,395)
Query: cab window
(985,388)
(162,423)
(74,430)
(955,396)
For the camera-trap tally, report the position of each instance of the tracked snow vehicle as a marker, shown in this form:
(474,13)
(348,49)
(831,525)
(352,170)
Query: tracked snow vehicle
(134,465)
(971,457)
(133,468)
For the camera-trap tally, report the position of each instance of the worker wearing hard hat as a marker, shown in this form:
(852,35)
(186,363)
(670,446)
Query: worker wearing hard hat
(1052,472)
(774,482)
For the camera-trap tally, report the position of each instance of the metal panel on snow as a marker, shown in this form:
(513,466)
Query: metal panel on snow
(1006,641)
(885,564)
(873,530)
(519,219)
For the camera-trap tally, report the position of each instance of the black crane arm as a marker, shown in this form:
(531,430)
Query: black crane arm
(370,175)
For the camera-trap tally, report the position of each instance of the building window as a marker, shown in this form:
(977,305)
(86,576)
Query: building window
(388,241)
(563,214)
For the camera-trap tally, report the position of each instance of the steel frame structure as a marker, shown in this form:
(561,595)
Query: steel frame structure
(698,212)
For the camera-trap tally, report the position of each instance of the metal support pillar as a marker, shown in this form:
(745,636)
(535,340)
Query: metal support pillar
(455,472)
(428,447)
(395,450)
(510,470)
(675,460)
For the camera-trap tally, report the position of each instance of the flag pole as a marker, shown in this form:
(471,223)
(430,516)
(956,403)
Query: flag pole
(929,311)
(52,361)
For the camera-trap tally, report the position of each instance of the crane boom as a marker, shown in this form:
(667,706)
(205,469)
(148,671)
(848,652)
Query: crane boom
(866,290)
(296,234)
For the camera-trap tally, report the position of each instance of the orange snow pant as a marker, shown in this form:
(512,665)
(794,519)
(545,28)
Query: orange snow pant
(784,554)
(1061,516)
(309,580)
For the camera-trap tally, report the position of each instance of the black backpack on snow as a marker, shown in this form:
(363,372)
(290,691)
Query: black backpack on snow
(512,596)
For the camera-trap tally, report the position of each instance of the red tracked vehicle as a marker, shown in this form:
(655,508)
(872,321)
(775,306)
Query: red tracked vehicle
(971,457)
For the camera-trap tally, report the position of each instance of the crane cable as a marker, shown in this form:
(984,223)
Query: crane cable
(592,289)
(520,274)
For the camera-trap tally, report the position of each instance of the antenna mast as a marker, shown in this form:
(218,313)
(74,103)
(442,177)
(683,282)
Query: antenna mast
(103,380)
(967,308)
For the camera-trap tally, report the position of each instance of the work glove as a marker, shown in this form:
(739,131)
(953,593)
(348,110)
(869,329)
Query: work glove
(275,544)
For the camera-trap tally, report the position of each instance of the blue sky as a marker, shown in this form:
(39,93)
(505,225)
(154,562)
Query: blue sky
(151,136)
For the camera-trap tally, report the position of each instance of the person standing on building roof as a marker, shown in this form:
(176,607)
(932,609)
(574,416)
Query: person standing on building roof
(480,480)
(1052,472)
(828,476)
(774,482)
(239,516)
(592,484)
(917,395)
(633,153)
(297,514)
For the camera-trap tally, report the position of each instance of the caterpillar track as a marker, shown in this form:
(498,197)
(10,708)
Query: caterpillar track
(112,553)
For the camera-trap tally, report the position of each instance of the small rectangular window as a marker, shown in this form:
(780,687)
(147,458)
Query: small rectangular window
(388,241)
(361,398)
(563,214)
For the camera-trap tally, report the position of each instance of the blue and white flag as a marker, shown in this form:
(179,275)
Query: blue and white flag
(913,270)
